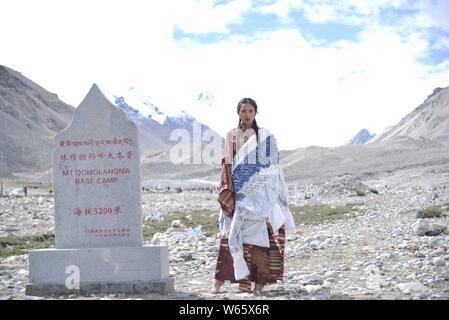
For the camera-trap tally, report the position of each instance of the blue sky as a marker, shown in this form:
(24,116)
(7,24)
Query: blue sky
(320,70)
(253,23)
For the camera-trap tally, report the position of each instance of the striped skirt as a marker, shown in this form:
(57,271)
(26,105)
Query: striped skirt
(266,265)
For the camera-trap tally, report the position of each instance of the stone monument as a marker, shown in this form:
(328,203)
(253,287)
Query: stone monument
(98,213)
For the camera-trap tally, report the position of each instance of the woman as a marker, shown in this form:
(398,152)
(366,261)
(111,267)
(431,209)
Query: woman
(253,236)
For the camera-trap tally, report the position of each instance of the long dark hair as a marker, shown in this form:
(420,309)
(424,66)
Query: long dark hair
(254,104)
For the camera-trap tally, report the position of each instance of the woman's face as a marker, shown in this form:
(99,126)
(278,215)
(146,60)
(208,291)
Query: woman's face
(247,114)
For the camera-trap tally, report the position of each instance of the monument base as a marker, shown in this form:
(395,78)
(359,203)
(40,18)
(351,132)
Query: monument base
(129,270)
(134,287)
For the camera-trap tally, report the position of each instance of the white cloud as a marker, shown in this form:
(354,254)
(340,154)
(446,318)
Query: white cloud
(441,43)
(432,14)
(422,13)
(280,8)
(204,17)
(351,12)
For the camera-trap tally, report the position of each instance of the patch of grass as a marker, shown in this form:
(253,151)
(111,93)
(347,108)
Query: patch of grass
(361,193)
(207,218)
(17,245)
(322,213)
(374,191)
(430,212)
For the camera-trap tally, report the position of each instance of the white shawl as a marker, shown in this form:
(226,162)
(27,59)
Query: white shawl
(261,196)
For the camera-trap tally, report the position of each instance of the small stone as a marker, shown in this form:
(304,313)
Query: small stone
(403,245)
(419,254)
(412,287)
(445,274)
(438,262)
(314,244)
(414,245)
(372,269)
(419,213)
(438,252)
(420,227)
(310,288)
(186,257)
(411,276)
(311,279)
(330,280)
(177,224)
(433,243)
(307,249)
(192,240)
(331,274)
(445,230)
(373,282)
(22,272)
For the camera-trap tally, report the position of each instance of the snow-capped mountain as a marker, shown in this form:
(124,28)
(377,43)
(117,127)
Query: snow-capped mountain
(361,137)
(150,130)
(206,98)
(143,105)
(154,125)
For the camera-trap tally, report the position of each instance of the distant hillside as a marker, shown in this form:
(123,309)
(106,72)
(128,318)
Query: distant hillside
(30,116)
(430,120)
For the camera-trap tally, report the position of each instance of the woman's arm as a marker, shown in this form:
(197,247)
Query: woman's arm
(228,155)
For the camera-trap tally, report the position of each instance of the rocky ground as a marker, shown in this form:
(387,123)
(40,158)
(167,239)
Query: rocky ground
(379,251)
